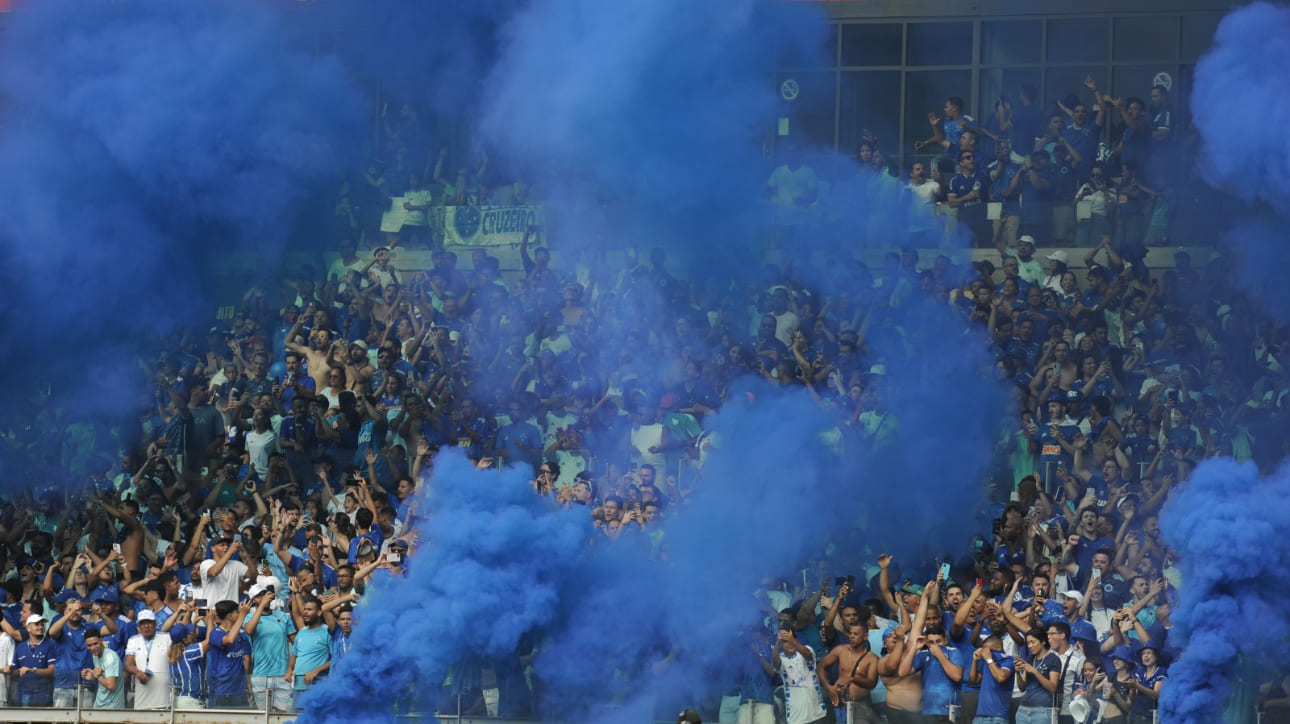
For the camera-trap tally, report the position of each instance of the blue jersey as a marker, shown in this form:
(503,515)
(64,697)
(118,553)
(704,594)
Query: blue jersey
(953,130)
(995,698)
(32,686)
(188,673)
(72,656)
(1143,704)
(225,665)
(962,185)
(1011,204)
(1085,141)
(1035,694)
(939,690)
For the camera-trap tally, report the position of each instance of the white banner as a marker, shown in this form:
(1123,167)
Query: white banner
(489,225)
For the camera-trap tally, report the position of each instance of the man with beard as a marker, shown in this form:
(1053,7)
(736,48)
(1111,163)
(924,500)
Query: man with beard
(311,652)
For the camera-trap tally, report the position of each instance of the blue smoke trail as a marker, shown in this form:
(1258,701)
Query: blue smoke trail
(658,106)
(1226,522)
(495,563)
(1244,154)
(141,140)
(1227,525)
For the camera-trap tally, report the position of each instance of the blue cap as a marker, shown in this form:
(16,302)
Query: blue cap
(68,594)
(105,593)
(180,631)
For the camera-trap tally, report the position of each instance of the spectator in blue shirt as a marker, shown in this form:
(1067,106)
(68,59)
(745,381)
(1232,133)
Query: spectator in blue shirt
(993,671)
(970,193)
(187,655)
(229,659)
(33,661)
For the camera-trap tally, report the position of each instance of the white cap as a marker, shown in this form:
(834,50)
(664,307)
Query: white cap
(1058,255)
(1026,239)
(256,590)
(1075,596)
(35,618)
(145,615)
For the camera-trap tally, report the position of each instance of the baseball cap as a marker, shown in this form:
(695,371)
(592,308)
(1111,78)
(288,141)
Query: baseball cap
(67,594)
(145,615)
(105,594)
(34,618)
(1058,255)
(361,344)
(256,590)
(1076,596)
(1025,239)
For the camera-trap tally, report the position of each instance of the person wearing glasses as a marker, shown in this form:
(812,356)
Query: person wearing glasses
(970,192)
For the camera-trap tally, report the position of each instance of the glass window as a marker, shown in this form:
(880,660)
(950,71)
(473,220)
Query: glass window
(1061,83)
(800,49)
(872,43)
(1180,94)
(1004,82)
(807,99)
(1011,41)
(1078,39)
(925,92)
(1136,80)
(1146,38)
(940,43)
(870,101)
(1198,34)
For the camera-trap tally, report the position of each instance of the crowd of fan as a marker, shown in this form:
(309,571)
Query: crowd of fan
(218,561)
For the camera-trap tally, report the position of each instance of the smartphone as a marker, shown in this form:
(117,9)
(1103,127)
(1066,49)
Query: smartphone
(1097,574)
(232,433)
(237,538)
(980,583)
(394,557)
(945,572)
(116,548)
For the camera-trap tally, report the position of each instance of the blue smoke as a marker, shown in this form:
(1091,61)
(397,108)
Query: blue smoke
(653,616)
(496,562)
(1227,525)
(142,140)
(1245,154)
(657,106)
(195,130)
(1226,521)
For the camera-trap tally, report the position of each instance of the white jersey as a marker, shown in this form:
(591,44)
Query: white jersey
(803,699)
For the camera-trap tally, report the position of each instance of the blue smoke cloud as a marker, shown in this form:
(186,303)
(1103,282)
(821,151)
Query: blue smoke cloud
(654,616)
(194,128)
(1244,154)
(1225,522)
(496,562)
(142,140)
(1227,525)
(657,105)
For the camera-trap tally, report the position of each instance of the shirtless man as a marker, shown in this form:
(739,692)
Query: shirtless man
(317,351)
(353,359)
(858,673)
